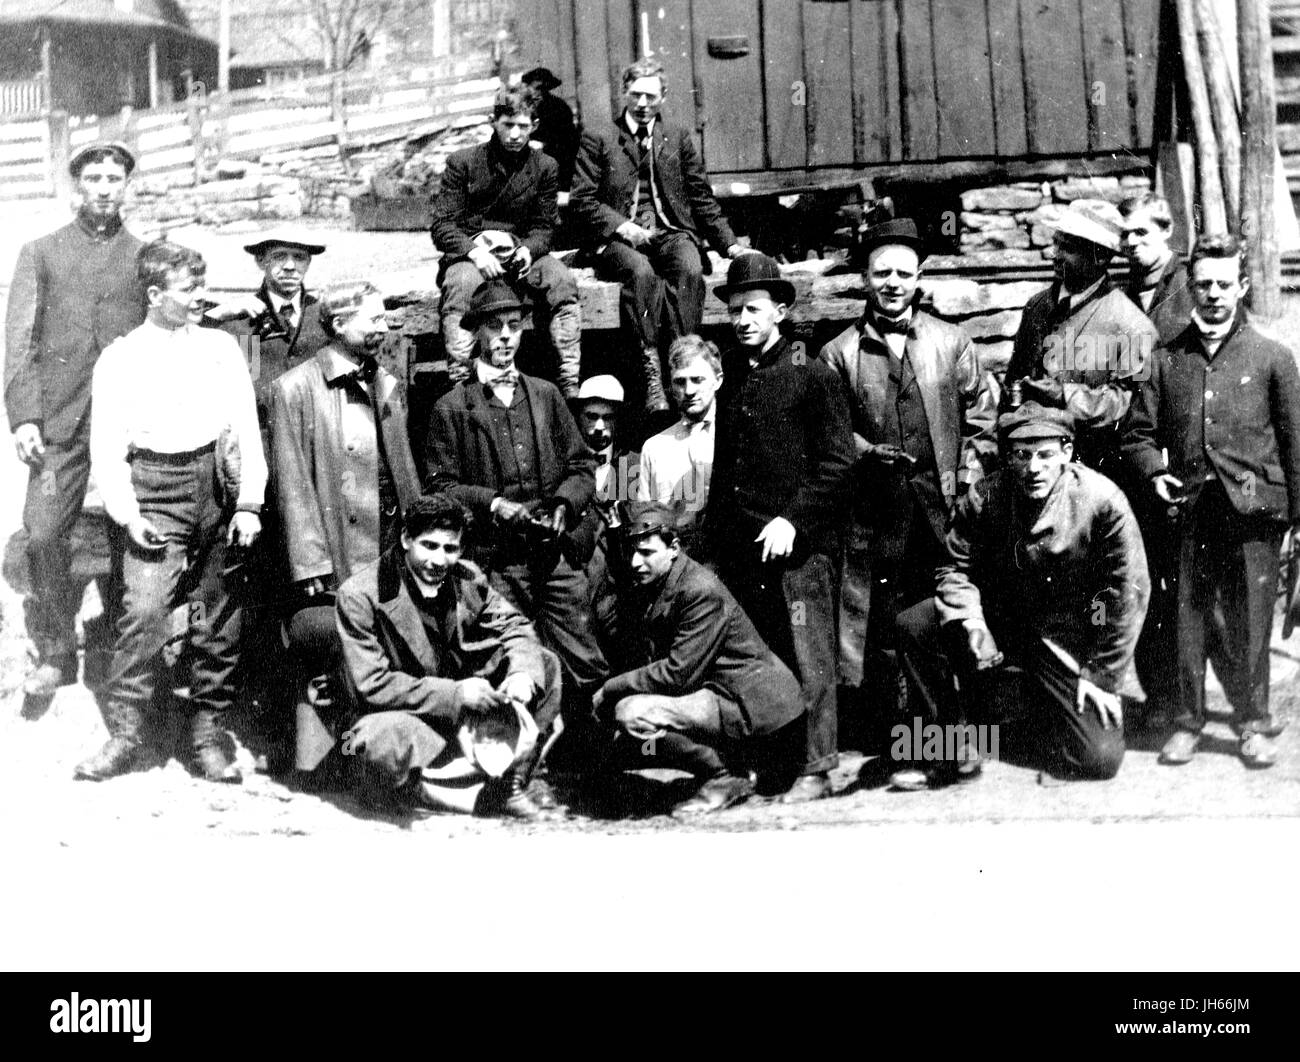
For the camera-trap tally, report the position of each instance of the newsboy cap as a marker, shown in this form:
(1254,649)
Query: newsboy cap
(755,270)
(1035,421)
(650,518)
(120,152)
(490,297)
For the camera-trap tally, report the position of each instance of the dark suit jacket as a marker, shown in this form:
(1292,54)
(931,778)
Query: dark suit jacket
(784,448)
(1238,413)
(72,295)
(480,191)
(463,459)
(605,181)
(1172,304)
(558,134)
(389,661)
(697,637)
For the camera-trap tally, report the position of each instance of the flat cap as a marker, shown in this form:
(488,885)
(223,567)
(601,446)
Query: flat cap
(120,151)
(1035,421)
(650,518)
(605,387)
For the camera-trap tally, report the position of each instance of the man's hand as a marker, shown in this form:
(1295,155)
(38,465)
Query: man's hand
(144,535)
(510,512)
(1107,704)
(486,263)
(245,305)
(312,587)
(632,233)
(1168,488)
(518,688)
(244,529)
(30,445)
(559,517)
(777,538)
(522,259)
(983,648)
(888,454)
(477,695)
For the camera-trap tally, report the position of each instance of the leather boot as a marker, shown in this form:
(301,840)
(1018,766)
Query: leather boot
(518,804)
(459,346)
(122,750)
(209,756)
(655,399)
(566,336)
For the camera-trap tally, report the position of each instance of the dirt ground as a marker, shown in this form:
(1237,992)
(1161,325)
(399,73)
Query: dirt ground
(164,809)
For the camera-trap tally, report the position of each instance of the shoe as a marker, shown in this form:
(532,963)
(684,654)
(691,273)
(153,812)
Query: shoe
(719,792)
(518,804)
(118,756)
(1256,750)
(215,767)
(1180,748)
(655,399)
(47,678)
(541,793)
(969,764)
(909,780)
(807,788)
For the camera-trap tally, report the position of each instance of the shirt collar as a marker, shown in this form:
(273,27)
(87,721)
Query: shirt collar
(278,303)
(1213,333)
(633,125)
(705,423)
(97,230)
(1078,298)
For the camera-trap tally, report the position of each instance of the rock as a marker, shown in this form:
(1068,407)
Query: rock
(984,222)
(284,207)
(1088,188)
(229,191)
(1001,325)
(230,169)
(939,263)
(224,213)
(1000,198)
(174,207)
(1042,236)
(1135,181)
(961,298)
(994,240)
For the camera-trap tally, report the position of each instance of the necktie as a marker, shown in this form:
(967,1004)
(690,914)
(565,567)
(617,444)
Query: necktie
(287,315)
(643,138)
(365,372)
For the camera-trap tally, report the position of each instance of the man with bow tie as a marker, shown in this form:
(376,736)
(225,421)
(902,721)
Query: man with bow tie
(506,447)
(924,429)
(343,473)
(1214,435)
(644,207)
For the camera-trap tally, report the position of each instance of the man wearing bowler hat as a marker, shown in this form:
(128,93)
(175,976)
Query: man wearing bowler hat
(1082,344)
(1037,611)
(924,416)
(73,292)
(556,130)
(778,498)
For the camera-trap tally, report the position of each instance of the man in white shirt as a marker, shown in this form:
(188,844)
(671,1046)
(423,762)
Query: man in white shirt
(677,464)
(175,451)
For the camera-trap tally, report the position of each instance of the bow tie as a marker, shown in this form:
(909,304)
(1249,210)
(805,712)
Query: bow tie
(897,325)
(504,378)
(366,371)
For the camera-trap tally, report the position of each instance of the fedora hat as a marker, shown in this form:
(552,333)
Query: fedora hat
(896,230)
(755,270)
(490,297)
(1094,220)
(285,238)
(541,77)
(120,151)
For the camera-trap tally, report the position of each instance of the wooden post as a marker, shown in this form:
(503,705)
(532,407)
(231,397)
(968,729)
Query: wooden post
(47,71)
(1213,218)
(153,72)
(1259,136)
(1223,108)
(441,28)
(223,48)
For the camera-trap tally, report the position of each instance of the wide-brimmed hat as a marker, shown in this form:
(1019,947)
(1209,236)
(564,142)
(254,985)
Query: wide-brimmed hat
(605,387)
(895,230)
(1032,420)
(541,77)
(1094,220)
(492,296)
(121,152)
(755,270)
(285,238)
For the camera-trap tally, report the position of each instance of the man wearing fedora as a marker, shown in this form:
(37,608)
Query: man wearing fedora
(644,207)
(556,130)
(1036,614)
(504,186)
(343,474)
(74,291)
(704,688)
(505,446)
(778,499)
(923,415)
(1082,344)
(450,689)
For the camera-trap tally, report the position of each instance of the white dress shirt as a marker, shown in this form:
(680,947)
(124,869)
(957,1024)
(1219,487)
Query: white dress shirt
(170,391)
(677,465)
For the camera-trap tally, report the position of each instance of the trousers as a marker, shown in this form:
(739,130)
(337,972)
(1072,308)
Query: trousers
(662,282)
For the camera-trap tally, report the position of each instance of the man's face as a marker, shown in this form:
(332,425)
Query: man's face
(365,330)
(103,187)
(1146,244)
(651,559)
(499,337)
(181,302)
(892,274)
(1079,263)
(431,554)
(513,131)
(1218,288)
(597,420)
(643,98)
(695,385)
(284,269)
(1037,464)
(754,316)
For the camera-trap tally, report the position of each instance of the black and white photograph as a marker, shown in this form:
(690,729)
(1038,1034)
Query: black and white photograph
(652,485)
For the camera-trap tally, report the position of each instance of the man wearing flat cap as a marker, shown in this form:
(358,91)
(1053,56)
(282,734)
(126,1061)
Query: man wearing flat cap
(1082,344)
(1037,610)
(705,686)
(778,497)
(73,292)
(506,447)
(924,417)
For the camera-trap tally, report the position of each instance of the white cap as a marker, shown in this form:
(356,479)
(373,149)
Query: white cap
(606,387)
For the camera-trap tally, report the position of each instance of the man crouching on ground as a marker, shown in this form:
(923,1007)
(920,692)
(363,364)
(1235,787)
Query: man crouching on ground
(710,686)
(450,685)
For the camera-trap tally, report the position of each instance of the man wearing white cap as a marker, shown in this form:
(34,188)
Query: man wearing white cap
(74,291)
(1082,344)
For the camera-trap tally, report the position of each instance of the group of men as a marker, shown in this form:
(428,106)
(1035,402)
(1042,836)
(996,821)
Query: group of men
(464,620)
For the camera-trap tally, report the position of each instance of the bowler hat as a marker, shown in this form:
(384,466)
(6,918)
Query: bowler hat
(1094,220)
(120,151)
(755,270)
(541,77)
(1035,421)
(896,230)
(284,238)
(490,297)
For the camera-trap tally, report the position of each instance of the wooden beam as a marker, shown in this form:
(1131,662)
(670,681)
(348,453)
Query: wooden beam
(1223,108)
(1213,215)
(47,71)
(441,28)
(1259,131)
(153,72)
